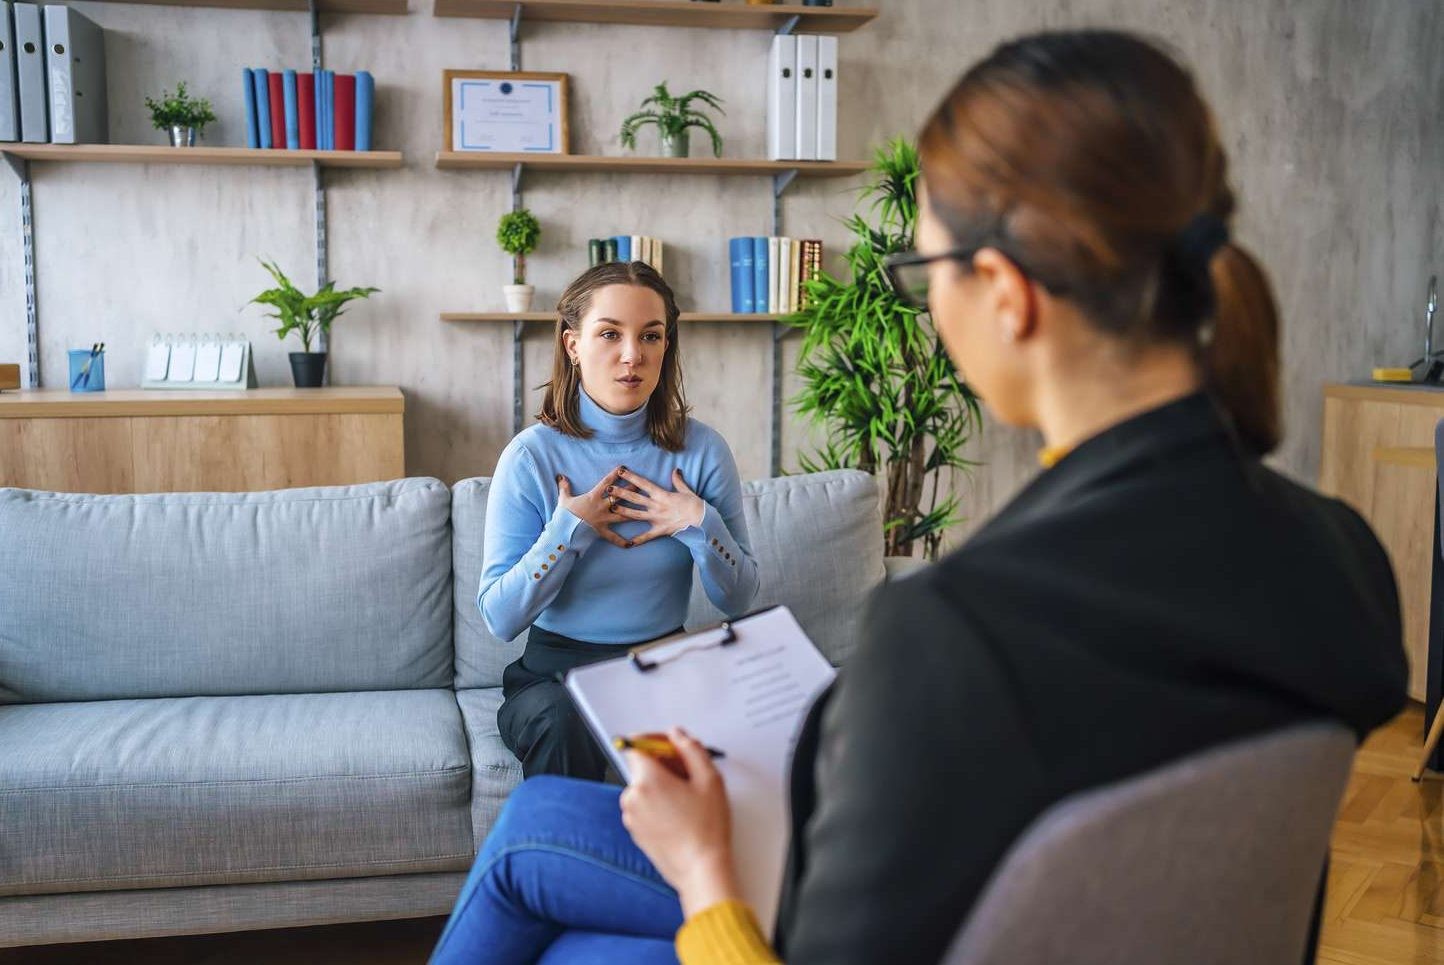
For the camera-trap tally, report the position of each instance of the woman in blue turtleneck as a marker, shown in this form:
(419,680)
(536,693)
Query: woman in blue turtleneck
(599,512)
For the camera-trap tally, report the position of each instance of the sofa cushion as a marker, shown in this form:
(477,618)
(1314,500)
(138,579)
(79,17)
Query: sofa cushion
(216,790)
(819,547)
(480,655)
(495,771)
(294,591)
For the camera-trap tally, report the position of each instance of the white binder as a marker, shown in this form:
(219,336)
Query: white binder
(806,126)
(826,98)
(782,98)
(30,74)
(75,75)
(745,689)
(9,102)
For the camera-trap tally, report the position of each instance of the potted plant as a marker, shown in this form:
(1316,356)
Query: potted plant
(876,376)
(183,116)
(518,233)
(673,117)
(308,316)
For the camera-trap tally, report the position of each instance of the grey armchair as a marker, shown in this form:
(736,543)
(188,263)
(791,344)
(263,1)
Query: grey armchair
(1214,859)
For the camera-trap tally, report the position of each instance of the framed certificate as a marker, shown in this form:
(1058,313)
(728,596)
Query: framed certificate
(509,111)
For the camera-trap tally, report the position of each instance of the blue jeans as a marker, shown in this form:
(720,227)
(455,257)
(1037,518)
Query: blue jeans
(560,881)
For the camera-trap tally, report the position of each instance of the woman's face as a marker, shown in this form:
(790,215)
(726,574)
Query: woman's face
(620,347)
(979,312)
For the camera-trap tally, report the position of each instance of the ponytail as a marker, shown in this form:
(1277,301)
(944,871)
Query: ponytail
(1241,360)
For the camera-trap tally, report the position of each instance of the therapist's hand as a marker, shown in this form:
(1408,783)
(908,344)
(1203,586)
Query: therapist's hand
(669,511)
(684,825)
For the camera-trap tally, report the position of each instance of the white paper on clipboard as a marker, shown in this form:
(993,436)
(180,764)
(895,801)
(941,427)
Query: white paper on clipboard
(747,698)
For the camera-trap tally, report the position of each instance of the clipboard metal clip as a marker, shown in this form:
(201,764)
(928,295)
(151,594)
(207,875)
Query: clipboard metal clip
(643,665)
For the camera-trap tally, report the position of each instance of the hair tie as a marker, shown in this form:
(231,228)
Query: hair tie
(1200,239)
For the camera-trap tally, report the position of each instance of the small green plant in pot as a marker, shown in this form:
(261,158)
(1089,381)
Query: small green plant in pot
(674,116)
(183,116)
(518,233)
(875,375)
(306,315)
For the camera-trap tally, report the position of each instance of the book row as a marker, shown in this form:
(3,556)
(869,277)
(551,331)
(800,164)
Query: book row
(769,275)
(308,111)
(625,248)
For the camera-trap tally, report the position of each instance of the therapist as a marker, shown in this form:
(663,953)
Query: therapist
(1154,592)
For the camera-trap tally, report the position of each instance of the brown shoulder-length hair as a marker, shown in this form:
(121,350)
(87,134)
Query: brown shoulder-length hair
(667,408)
(1089,159)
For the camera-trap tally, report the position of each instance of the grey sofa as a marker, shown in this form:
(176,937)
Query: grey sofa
(235,711)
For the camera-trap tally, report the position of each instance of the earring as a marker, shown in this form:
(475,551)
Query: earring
(576,361)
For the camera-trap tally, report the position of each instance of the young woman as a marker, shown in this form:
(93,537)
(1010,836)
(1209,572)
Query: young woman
(1156,592)
(598,514)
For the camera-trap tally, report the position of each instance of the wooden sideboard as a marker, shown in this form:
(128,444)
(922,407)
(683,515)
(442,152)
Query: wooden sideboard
(140,441)
(1378,457)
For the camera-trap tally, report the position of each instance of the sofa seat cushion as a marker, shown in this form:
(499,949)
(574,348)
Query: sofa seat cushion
(170,792)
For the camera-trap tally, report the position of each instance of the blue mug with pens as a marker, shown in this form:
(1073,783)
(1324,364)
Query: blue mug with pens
(87,368)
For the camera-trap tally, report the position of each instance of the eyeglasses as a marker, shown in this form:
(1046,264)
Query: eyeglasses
(907,272)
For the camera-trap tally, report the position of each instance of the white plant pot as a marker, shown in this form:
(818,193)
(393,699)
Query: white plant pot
(518,297)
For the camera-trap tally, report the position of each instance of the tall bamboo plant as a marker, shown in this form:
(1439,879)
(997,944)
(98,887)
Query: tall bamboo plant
(877,378)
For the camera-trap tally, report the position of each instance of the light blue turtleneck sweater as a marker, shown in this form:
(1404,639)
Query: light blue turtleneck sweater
(543,565)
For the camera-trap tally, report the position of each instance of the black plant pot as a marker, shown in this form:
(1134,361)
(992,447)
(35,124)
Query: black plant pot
(308,368)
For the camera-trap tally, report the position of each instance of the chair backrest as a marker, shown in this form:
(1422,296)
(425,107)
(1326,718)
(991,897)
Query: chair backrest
(1215,858)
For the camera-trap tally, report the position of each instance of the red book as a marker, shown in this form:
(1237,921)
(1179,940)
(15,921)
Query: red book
(278,110)
(306,109)
(345,112)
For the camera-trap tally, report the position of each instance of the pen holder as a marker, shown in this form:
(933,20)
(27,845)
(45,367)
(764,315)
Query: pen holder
(83,380)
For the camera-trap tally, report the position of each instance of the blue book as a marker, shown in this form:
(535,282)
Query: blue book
(262,78)
(253,137)
(624,247)
(322,100)
(759,275)
(734,258)
(293,117)
(328,103)
(365,98)
(318,83)
(748,248)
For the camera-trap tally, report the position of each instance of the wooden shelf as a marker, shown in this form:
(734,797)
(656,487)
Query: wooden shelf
(688,317)
(234,156)
(725,15)
(496,161)
(59,403)
(384,7)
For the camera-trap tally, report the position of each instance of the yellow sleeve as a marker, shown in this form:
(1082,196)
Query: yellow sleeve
(724,934)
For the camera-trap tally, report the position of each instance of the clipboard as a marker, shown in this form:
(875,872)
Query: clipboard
(744,687)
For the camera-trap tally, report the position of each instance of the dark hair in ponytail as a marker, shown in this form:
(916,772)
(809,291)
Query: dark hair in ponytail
(1089,157)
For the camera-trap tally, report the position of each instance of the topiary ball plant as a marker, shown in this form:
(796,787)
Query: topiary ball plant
(518,233)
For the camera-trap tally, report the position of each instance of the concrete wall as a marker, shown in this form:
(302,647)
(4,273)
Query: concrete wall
(1329,109)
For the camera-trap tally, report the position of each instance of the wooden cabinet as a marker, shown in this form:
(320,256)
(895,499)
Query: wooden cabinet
(1378,456)
(148,441)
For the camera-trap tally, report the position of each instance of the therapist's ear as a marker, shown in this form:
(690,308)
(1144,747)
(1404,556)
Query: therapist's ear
(1008,296)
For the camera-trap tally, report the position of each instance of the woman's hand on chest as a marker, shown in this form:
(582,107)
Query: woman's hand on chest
(669,511)
(595,507)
